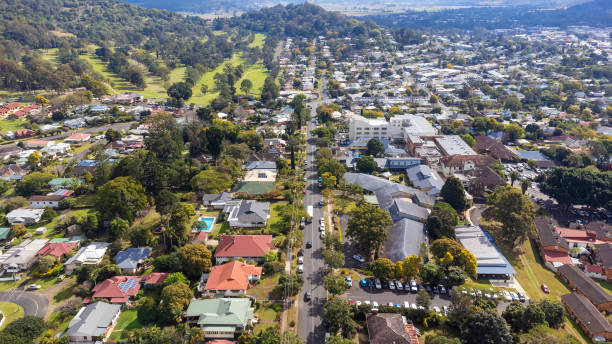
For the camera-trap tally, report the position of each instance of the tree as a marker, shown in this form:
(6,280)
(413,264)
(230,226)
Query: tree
(34,160)
(27,328)
(146,311)
(46,263)
(14,203)
(34,183)
(335,339)
(41,100)
(179,92)
(525,184)
(513,177)
(524,318)
(513,210)
(432,273)
(17,231)
(433,99)
(272,335)
(167,263)
(176,277)
(440,339)
(533,316)
(442,220)
(544,335)
(423,299)
(290,284)
(270,90)
(121,197)
(455,276)
(383,268)
(554,312)
(411,266)
(119,227)
(514,131)
(485,327)
(513,314)
(469,139)
(328,181)
(112,135)
(211,181)
(204,89)
(512,103)
(460,308)
(366,164)
(246,85)
(106,271)
(453,193)
(375,147)
(338,314)
(335,284)
(334,258)
(577,186)
(173,300)
(195,259)
(369,226)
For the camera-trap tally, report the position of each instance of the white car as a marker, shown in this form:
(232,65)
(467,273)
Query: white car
(506,295)
(374,306)
(322,235)
(413,306)
(359,258)
(301,260)
(33,287)
(367,302)
(358,303)
(377,284)
(406,304)
(436,309)
(300,269)
(391,285)
(399,285)
(322,228)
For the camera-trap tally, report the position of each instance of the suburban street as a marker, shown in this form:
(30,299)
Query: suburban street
(32,302)
(310,328)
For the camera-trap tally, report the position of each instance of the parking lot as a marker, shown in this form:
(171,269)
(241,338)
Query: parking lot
(384,296)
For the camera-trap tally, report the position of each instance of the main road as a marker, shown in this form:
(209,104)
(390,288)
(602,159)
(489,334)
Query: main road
(310,328)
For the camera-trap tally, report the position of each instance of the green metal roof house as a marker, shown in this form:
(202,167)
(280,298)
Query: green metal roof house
(220,318)
(4,232)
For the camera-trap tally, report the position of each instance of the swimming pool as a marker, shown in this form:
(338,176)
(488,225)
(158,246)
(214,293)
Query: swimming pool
(205,224)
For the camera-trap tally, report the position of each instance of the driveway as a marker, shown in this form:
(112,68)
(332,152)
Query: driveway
(33,303)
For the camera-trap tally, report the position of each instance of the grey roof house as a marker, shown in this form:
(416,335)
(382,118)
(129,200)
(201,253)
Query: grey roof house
(405,239)
(131,259)
(216,201)
(248,213)
(404,208)
(259,165)
(426,179)
(92,323)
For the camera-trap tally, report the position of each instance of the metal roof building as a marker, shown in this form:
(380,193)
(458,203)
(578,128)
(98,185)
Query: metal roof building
(490,262)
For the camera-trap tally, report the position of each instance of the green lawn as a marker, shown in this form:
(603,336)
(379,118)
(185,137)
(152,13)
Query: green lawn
(64,294)
(127,321)
(11,125)
(8,285)
(11,311)
(60,320)
(265,286)
(258,40)
(275,224)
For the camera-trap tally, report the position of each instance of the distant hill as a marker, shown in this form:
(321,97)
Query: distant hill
(232,6)
(593,13)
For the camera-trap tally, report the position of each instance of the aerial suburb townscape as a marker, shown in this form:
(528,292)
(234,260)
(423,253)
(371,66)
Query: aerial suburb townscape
(288,172)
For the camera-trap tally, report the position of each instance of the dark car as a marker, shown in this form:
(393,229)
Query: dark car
(309,244)
(521,297)
(300,253)
(435,289)
(428,288)
(370,282)
(307,296)
(385,284)
(321,203)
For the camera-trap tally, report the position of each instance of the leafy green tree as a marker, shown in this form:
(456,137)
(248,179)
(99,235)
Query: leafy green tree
(112,135)
(469,139)
(17,231)
(334,258)
(270,91)
(14,203)
(440,339)
(485,327)
(513,177)
(34,183)
(554,312)
(375,147)
(174,300)
(512,103)
(338,314)
(335,284)
(460,309)
(27,328)
(246,85)
(423,299)
(211,181)
(369,226)
(176,277)
(179,92)
(366,164)
(432,273)
(121,197)
(119,227)
(513,210)
(383,268)
(571,186)
(290,284)
(514,131)
(46,263)
(49,214)
(107,271)
(453,193)
(146,311)
(167,263)
(328,181)
(455,276)
(195,259)
(525,184)
(411,266)
(335,339)
(442,220)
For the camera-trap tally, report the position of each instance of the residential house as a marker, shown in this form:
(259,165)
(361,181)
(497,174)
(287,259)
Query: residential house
(78,138)
(58,249)
(220,318)
(92,323)
(588,317)
(247,247)
(154,279)
(584,285)
(117,289)
(20,257)
(386,328)
(24,216)
(131,259)
(449,165)
(216,201)
(12,172)
(486,145)
(424,178)
(481,180)
(248,214)
(553,248)
(38,144)
(63,183)
(231,279)
(603,254)
(490,262)
(43,201)
(4,233)
(23,133)
(91,254)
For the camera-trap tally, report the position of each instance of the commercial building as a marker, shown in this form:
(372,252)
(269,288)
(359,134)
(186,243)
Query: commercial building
(490,262)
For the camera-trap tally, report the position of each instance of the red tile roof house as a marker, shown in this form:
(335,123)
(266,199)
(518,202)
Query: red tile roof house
(554,249)
(77,137)
(58,249)
(232,279)
(154,279)
(117,289)
(248,247)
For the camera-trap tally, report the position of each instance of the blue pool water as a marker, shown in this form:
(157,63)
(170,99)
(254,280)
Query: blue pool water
(205,224)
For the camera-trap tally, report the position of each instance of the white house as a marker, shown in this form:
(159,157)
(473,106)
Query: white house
(51,201)
(22,256)
(24,216)
(91,254)
(92,323)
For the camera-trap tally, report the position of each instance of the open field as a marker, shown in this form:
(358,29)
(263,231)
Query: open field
(11,125)
(258,40)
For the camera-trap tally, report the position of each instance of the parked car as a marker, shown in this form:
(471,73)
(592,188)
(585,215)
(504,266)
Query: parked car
(322,235)
(442,290)
(301,260)
(435,289)
(378,284)
(371,282)
(349,281)
(399,285)
(514,296)
(521,297)
(506,295)
(406,304)
(413,286)
(33,287)
(300,252)
(351,302)
(307,296)
(545,288)
(391,285)
(445,310)
(385,284)
(436,309)
(374,306)
(363,283)
(413,306)
(321,203)
(300,269)
(358,258)
(358,303)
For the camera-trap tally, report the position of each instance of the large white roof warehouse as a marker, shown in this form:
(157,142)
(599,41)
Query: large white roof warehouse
(490,262)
